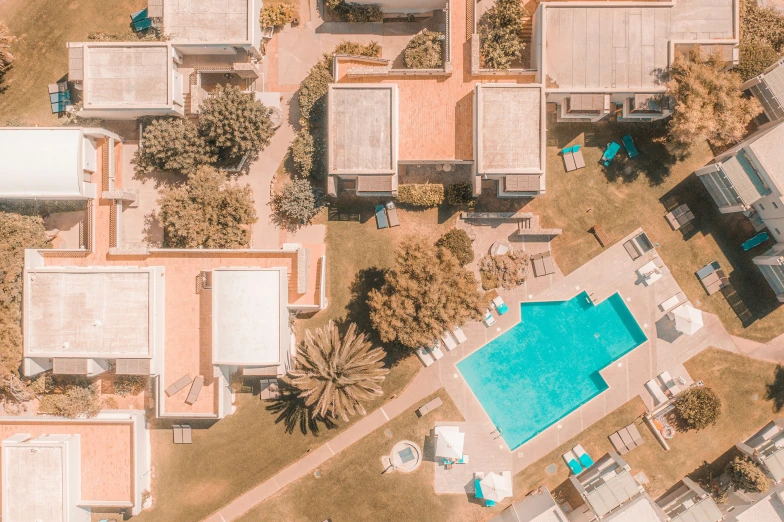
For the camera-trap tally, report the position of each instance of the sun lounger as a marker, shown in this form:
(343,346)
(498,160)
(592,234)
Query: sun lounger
(628,142)
(460,336)
(381,217)
(632,250)
(672,302)
(669,384)
(756,240)
(392,214)
(140,15)
(435,351)
(585,460)
(543,264)
(489,320)
(568,158)
(186,434)
(142,25)
(424,356)
(430,406)
(449,343)
(500,305)
(571,461)
(627,438)
(656,392)
(618,444)
(635,434)
(177,429)
(193,395)
(181,383)
(579,162)
(609,153)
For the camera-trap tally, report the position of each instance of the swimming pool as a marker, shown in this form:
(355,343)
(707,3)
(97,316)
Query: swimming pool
(548,364)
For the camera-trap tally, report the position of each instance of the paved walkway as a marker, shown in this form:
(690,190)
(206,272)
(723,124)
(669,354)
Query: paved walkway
(424,384)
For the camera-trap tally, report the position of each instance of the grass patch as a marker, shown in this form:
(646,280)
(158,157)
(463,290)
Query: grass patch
(43,28)
(633,193)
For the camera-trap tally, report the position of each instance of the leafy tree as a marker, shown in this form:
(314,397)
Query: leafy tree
(499,34)
(129,384)
(426,292)
(335,374)
(172,144)
(424,50)
(302,150)
(507,270)
(698,407)
(277,15)
(458,242)
(761,38)
(709,104)
(297,204)
(76,401)
(6,40)
(461,194)
(745,475)
(235,123)
(756,55)
(207,212)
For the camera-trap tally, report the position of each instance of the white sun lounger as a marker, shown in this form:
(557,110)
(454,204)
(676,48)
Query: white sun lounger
(489,319)
(449,343)
(656,392)
(460,336)
(424,356)
(669,383)
(435,351)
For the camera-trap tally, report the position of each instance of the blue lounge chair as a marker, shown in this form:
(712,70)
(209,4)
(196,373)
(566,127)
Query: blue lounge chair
(755,241)
(500,305)
(140,15)
(609,153)
(585,460)
(628,142)
(489,503)
(142,25)
(571,461)
(381,217)
(60,107)
(478,488)
(62,96)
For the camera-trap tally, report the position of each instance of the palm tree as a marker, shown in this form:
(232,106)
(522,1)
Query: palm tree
(5,44)
(335,375)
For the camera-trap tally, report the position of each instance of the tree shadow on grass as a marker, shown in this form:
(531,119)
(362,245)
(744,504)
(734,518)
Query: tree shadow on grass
(775,390)
(291,409)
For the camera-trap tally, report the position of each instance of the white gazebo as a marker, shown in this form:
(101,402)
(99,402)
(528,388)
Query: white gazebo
(496,487)
(449,442)
(687,319)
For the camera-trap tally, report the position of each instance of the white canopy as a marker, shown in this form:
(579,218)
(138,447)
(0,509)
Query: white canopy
(687,319)
(449,442)
(495,487)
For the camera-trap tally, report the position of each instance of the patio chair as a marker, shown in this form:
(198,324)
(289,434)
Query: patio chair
(609,153)
(669,384)
(628,142)
(435,351)
(449,343)
(618,444)
(186,434)
(489,320)
(424,356)
(500,305)
(579,161)
(381,217)
(177,430)
(568,157)
(635,433)
(181,383)
(656,392)
(392,214)
(585,460)
(193,395)
(572,462)
(460,336)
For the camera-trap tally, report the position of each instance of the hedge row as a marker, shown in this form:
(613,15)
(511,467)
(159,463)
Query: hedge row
(421,195)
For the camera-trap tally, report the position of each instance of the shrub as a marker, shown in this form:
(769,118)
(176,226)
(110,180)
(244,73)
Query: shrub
(13,394)
(425,292)
(235,123)
(507,270)
(461,194)
(424,50)
(370,49)
(172,144)
(458,242)
(698,408)
(297,203)
(745,475)
(277,15)
(207,212)
(302,151)
(129,384)
(764,23)
(756,55)
(77,401)
(6,40)
(313,91)
(351,12)
(421,195)
(499,34)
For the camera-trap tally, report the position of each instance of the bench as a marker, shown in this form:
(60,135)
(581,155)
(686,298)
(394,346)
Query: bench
(601,235)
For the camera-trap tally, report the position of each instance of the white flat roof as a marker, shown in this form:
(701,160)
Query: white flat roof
(84,312)
(40,162)
(215,21)
(639,510)
(246,315)
(769,509)
(33,485)
(127,75)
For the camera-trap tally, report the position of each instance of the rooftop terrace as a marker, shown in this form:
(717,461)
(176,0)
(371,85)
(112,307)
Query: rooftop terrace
(127,75)
(218,21)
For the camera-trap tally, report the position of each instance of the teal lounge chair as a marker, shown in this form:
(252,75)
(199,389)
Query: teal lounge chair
(381,217)
(755,241)
(571,461)
(489,503)
(609,153)
(628,142)
(478,488)
(142,25)
(140,15)
(585,459)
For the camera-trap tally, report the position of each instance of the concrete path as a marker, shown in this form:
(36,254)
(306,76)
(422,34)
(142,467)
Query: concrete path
(772,351)
(424,384)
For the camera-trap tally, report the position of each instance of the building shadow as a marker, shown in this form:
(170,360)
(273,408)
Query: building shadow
(775,390)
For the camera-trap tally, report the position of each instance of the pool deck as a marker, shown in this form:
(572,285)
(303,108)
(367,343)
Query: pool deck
(610,272)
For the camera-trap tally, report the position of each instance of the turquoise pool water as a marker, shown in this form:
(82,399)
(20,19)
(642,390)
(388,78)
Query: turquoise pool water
(548,364)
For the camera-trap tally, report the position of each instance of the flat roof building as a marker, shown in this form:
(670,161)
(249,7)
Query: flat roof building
(538,506)
(766,447)
(690,503)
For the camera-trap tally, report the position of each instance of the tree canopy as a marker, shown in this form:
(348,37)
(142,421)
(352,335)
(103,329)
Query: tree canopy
(172,144)
(745,475)
(698,408)
(207,212)
(499,34)
(426,292)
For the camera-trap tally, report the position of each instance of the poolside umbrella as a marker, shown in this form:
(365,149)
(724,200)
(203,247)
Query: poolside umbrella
(687,319)
(449,442)
(495,487)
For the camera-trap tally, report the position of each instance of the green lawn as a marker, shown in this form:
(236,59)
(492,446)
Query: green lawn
(352,487)
(43,27)
(633,193)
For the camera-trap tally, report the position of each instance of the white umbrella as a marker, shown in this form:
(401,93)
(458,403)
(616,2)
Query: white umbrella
(449,442)
(687,319)
(495,487)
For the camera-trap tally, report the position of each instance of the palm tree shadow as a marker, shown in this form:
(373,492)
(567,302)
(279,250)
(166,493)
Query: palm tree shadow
(776,389)
(293,412)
